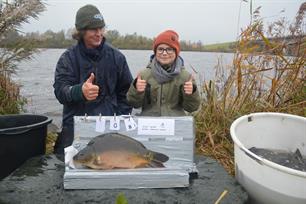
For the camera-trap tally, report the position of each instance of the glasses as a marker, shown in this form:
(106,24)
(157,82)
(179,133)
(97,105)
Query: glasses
(169,50)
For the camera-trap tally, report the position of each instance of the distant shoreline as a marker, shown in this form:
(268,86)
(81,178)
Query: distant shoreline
(218,51)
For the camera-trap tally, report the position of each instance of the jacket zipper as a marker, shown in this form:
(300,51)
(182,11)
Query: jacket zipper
(96,73)
(160,99)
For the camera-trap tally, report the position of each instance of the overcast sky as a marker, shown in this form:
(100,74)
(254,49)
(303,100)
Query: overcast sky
(210,21)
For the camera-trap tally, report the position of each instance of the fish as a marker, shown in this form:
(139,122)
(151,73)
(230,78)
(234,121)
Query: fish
(118,151)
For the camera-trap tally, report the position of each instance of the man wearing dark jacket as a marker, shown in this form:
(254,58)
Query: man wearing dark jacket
(91,77)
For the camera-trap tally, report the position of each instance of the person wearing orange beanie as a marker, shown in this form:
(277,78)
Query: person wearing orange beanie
(164,87)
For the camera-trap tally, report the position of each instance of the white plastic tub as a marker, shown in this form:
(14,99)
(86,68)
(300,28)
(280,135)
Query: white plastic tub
(266,181)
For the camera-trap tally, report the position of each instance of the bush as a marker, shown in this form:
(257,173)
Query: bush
(12,15)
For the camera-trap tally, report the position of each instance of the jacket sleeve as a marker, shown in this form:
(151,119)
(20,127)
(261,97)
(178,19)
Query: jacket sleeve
(191,102)
(134,98)
(124,80)
(67,88)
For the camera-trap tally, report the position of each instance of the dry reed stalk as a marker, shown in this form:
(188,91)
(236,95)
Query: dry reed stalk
(12,15)
(262,78)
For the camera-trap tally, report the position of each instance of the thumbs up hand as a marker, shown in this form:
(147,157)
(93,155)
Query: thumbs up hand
(188,86)
(90,91)
(140,84)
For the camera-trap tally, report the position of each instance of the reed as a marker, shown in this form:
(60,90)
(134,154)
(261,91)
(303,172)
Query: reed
(10,100)
(50,142)
(261,78)
(12,15)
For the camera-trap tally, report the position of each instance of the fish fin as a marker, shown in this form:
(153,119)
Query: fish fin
(98,160)
(159,156)
(129,138)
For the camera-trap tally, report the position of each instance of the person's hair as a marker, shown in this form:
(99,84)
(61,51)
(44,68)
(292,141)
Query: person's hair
(78,34)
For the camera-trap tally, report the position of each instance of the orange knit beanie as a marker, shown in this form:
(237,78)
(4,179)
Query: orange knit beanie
(170,38)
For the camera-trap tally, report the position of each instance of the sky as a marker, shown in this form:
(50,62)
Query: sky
(208,21)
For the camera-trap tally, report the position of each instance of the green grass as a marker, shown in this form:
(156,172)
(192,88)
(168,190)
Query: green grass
(220,47)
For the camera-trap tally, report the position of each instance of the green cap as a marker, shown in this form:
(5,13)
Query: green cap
(89,17)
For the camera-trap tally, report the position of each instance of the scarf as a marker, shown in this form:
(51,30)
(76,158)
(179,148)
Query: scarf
(162,74)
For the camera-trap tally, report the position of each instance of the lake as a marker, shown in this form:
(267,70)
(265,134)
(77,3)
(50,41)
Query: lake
(36,76)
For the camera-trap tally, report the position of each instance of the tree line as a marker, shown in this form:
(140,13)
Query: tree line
(63,39)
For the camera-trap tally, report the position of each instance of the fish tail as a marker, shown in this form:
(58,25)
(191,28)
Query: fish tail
(155,164)
(159,157)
